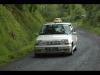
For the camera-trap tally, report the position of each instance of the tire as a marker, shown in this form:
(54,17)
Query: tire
(71,51)
(75,49)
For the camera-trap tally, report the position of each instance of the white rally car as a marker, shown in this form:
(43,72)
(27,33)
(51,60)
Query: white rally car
(56,37)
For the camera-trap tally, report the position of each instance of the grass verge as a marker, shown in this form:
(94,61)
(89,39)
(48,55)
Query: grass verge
(16,55)
(88,28)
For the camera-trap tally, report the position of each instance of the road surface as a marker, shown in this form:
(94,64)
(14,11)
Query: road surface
(86,58)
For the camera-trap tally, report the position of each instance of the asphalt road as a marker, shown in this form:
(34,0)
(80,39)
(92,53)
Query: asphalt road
(86,58)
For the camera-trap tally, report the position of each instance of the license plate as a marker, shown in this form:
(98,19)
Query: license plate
(50,49)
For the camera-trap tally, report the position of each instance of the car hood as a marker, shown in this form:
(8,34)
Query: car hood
(52,37)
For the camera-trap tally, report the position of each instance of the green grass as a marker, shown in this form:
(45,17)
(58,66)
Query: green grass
(88,28)
(95,30)
(23,25)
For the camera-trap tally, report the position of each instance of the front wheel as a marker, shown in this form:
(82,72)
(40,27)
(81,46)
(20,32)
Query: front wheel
(71,50)
(75,49)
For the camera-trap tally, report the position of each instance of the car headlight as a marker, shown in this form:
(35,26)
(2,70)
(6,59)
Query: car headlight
(64,42)
(40,42)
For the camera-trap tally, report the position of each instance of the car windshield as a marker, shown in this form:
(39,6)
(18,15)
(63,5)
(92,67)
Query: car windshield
(55,29)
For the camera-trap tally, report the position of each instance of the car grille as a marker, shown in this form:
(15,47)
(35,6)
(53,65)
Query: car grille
(53,43)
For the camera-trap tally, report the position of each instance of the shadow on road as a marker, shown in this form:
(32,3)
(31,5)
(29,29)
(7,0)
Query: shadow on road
(51,56)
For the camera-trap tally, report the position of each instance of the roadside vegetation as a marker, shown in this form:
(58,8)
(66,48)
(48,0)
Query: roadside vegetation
(20,22)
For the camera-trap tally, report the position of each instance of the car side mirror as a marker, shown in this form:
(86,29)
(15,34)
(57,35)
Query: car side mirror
(74,33)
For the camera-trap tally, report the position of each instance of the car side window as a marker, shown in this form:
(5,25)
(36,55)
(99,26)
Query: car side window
(72,28)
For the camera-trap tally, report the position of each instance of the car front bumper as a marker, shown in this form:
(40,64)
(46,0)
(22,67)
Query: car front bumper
(52,49)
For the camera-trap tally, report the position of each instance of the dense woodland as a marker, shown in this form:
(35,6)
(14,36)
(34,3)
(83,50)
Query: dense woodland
(20,22)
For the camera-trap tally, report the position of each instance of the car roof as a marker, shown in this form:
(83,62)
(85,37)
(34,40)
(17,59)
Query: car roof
(66,23)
